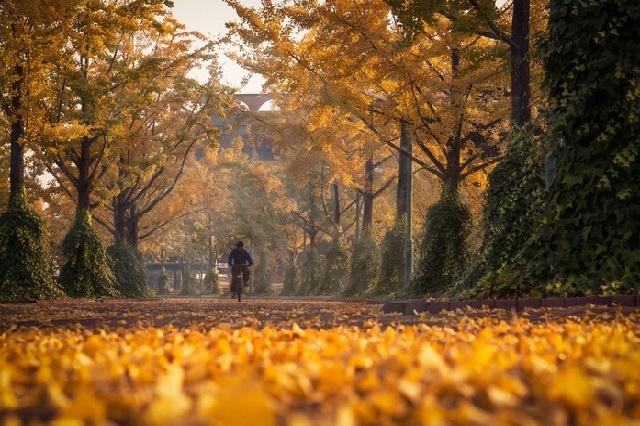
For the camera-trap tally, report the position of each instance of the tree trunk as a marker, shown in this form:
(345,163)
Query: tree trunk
(133,227)
(84,179)
(16,172)
(520,72)
(404,162)
(336,203)
(119,220)
(367,196)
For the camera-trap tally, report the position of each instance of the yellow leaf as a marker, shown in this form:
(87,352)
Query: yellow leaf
(243,402)
(86,406)
(572,386)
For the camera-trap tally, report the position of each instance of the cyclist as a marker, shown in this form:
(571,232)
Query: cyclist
(240,260)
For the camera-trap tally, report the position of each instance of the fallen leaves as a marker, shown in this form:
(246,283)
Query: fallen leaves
(246,367)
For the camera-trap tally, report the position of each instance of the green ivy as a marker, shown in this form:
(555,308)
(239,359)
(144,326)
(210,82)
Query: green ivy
(364,266)
(291,281)
(310,273)
(443,253)
(263,276)
(25,273)
(211,282)
(130,271)
(391,278)
(514,198)
(189,283)
(587,240)
(86,271)
(336,269)
(164,283)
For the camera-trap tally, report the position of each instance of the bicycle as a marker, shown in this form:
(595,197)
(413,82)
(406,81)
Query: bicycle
(237,280)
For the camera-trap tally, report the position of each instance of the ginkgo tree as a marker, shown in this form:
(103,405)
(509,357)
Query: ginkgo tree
(333,161)
(32,37)
(121,94)
(169,123)
(261,206)
(448,87)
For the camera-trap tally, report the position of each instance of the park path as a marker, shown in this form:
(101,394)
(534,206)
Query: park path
(211,312)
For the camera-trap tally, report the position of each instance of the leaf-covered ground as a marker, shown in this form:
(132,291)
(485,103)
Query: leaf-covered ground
(212,361)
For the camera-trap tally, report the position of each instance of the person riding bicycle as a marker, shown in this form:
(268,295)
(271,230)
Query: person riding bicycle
(240,260)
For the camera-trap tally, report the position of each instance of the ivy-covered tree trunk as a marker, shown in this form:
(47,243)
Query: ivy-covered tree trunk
(392,261)
(86,271)
(188,281)
(25,273)
(263,276)
(131,274)
(16,166)
(119,221)
(336,270)
(212,282)
(291,280)
(404,164)
(364,266)
(310,273)
(514,197)
(520,66)
(368,195)
(164,282)
(587,241)
(85,179)
(443,253)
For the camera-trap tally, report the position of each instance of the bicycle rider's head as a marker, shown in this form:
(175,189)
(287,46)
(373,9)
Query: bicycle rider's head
(240,244)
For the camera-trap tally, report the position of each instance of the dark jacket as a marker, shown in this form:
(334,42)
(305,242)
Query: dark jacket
(239,256)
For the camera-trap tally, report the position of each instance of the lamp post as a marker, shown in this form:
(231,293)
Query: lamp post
(405,144)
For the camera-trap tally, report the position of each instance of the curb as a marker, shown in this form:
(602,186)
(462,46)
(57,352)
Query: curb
(413,306)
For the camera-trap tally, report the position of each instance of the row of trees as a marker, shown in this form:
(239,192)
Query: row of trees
(358,89)
(102,118)
(346,76)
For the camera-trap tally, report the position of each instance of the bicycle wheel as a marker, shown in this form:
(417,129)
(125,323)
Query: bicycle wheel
(236,284)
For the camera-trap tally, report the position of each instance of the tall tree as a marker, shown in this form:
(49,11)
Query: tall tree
(445,84)
(31,41)
(454,113)
(169,127)
(99,65)
(484,18)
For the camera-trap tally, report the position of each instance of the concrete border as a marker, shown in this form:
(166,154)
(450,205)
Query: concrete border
(417,306)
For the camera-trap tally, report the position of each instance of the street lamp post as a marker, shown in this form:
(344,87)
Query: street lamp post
(405,143)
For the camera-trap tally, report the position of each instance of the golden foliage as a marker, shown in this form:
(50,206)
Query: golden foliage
(468,370)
